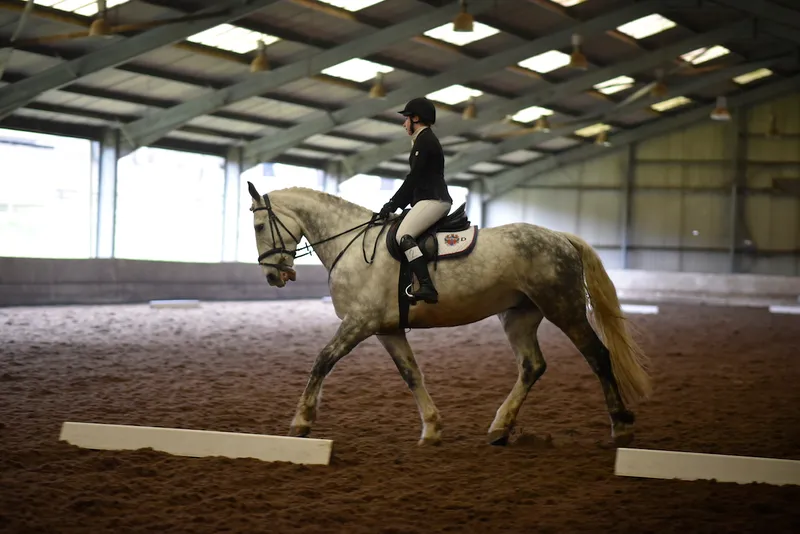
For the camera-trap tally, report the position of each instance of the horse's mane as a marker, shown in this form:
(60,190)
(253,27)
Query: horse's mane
(337,202)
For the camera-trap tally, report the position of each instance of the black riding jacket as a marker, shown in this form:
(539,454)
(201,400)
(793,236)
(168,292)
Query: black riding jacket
(426,179)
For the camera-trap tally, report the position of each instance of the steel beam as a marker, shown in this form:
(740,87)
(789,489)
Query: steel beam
(149,129)
(463,71)
(764,9)
(508,180)
(18,94)
(366,160)
(464,160)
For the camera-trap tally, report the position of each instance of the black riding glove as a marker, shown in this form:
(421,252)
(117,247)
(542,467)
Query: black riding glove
(386,210)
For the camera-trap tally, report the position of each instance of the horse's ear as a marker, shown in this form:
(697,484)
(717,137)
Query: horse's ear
(253,192)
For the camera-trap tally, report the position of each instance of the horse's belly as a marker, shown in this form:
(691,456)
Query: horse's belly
(464,309)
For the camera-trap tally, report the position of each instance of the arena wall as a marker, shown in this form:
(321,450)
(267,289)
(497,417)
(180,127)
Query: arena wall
(718,197)
(34,281)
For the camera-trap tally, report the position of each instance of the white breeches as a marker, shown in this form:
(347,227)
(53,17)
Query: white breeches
(421,217)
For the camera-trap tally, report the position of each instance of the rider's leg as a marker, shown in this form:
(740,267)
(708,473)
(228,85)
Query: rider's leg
(420,218)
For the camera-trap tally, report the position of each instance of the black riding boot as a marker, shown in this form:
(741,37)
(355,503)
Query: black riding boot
(419,267)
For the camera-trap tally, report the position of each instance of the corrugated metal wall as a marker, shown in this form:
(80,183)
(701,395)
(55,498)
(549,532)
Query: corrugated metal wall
(688,198)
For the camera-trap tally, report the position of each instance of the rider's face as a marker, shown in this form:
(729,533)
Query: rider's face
(408,126)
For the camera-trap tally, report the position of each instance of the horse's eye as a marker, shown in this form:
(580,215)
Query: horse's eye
(259,227)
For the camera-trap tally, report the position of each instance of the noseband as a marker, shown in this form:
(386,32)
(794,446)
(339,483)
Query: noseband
(274,227)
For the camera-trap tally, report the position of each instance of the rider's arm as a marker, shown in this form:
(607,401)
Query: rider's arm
(403,196)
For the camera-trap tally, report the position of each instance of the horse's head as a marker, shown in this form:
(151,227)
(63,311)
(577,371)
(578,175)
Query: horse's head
(276,239)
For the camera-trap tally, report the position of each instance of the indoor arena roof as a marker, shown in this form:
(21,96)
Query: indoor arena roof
(534,84)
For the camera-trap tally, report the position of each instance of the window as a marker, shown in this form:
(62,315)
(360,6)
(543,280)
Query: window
(352,5)
(646,26)
(614,85)
(446,33)
(454,94)
(546,62)
(232,38)
(86,8)
(701,55)
(531,114)
(169,206)
(671,103)
(50,216)
(749,77)
(357,70)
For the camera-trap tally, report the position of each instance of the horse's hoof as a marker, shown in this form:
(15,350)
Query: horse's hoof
(299,431)
(430,442)
(623,440)
(498,438)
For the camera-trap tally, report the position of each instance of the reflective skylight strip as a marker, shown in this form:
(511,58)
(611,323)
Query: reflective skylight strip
(646,26)
(701,55)
(614,85)
(592,130)
(531,114)
(357,70)
(454,94)
(86,8)
(352,5)
(546,62)
(445,33)
(568,3)
(233,38)
(752,76)
(671,103)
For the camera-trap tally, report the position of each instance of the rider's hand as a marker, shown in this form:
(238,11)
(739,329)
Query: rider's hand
(386,210)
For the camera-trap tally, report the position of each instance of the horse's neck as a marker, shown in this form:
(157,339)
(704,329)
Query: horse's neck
(322,216)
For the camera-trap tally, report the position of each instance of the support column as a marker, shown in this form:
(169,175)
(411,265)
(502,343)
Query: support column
(231,202)
(627,190)
(331,177)
(738,188)
(105,231)
(475,202)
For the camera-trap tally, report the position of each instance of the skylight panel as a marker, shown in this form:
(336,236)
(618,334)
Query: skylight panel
(546,62)
(752,76)
(671,103)
(86,8)
(233,38)
(701,55)
(594,129)
(454,94)
(568,3)
(445,33)
(614,85)
(531,114)
(357,70)
(646,26)
(352,5)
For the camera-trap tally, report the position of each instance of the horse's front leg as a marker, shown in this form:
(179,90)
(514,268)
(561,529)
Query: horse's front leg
(400,351)
(350,333)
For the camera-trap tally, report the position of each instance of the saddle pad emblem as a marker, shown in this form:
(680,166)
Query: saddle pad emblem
(451,239)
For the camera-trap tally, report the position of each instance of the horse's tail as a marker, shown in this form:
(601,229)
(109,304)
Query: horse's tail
(628,360)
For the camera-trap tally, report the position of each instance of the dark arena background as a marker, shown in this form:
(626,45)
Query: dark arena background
(666,133)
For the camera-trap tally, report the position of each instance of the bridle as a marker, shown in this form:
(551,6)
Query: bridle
(275,225)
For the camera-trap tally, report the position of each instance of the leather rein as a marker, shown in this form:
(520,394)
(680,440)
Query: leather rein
(275,225)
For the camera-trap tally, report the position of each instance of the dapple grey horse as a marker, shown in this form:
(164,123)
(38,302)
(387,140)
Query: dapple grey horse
(520,272)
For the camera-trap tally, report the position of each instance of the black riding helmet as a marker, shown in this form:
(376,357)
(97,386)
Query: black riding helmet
(422,108)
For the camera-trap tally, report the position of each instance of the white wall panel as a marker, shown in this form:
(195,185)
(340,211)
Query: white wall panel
(600,217)
(656,219)
(552,208)
(704,262)
(706,220)
(505,209)
(653,260)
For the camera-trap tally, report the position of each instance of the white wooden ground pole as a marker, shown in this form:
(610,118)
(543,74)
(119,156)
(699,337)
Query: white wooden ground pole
(670,465)
(198,443)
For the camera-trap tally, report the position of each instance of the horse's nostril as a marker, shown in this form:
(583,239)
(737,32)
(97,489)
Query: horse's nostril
(272,278)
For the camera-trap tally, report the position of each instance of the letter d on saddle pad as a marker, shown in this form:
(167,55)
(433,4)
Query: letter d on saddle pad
(198,443)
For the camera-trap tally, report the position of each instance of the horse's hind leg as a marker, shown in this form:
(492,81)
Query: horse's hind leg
(569,314)
(403,357)
(520,325)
